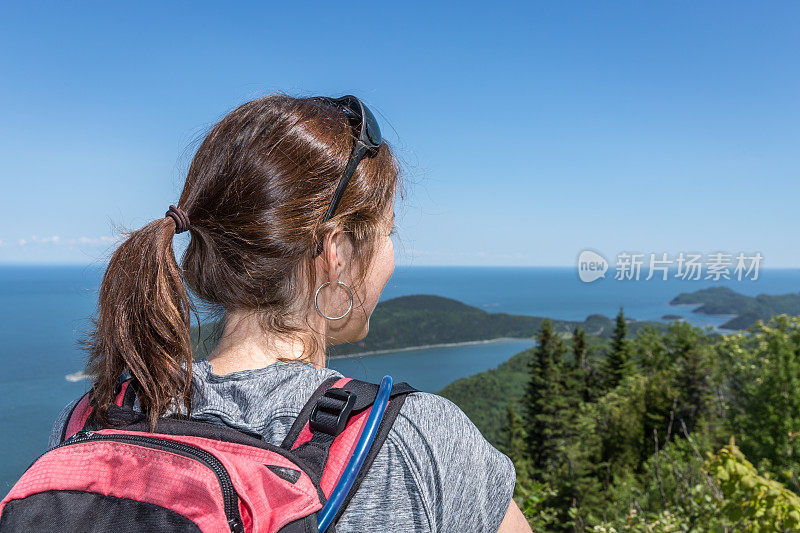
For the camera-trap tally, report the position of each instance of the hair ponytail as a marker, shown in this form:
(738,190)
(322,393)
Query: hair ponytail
(143,322)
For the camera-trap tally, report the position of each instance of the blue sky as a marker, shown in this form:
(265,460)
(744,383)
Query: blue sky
(529,131)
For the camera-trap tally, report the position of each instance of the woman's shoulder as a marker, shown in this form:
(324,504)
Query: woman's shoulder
(428,409)
(439,437)
(432,420)
(465,481)
(435,403)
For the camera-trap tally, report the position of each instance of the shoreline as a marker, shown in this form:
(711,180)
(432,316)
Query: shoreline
(79,375)
(426,346)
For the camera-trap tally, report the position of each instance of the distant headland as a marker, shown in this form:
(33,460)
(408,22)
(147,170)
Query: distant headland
(427,321)
(744,310)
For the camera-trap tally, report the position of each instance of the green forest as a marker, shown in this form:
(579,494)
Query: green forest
(678,429)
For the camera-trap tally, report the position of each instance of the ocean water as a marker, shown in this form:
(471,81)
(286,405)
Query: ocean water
(45,309)
(430,369)
(558,293)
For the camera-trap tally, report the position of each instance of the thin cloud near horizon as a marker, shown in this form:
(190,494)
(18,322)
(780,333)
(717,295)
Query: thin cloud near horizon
(58,241)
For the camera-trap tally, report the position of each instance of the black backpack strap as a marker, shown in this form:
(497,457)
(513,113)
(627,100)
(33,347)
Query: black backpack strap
(365,396)
(305,413)
(322,416)
(130,393)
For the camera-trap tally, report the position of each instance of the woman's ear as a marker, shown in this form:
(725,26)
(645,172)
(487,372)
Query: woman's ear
(336,254)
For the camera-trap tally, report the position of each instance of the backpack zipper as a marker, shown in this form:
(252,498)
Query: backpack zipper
(230,497)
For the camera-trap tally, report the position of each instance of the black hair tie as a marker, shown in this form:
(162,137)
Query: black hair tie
(180,217)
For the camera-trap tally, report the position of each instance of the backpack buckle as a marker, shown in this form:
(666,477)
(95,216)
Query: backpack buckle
(331,411)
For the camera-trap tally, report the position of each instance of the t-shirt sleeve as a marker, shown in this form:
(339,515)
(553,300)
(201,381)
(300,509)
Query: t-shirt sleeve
(61,420)
(467,484)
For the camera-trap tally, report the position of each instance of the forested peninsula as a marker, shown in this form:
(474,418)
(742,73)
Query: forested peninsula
(424,320)
(746,309)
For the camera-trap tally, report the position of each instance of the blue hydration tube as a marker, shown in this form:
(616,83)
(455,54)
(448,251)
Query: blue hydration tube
(353,467)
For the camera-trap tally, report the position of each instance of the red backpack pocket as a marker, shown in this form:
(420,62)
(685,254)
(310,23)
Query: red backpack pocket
(113,480)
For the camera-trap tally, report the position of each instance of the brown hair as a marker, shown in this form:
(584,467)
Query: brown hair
(256,193)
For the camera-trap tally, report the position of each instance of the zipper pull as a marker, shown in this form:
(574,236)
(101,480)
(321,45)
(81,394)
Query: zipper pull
(82,433)
(235,525)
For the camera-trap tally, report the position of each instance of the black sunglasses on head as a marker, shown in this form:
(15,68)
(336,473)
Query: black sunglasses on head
(368,142)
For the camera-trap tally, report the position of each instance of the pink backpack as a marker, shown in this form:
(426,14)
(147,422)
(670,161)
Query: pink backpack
(196,476)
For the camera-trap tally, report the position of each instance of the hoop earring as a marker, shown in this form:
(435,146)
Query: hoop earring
(330,317)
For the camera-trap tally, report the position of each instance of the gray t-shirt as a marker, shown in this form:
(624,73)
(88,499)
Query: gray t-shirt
(435,472)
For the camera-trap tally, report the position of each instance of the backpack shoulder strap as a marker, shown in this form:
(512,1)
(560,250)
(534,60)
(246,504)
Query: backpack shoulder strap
(327,429)
(79,416)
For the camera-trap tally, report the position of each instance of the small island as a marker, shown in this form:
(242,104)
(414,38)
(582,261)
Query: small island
(745,310)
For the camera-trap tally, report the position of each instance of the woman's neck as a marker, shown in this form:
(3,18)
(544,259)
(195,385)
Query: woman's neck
(245,346)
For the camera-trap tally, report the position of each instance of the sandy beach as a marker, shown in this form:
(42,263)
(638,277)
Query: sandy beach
(424,346)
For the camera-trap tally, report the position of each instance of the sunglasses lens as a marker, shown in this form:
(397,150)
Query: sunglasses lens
(373,131)
(352,106)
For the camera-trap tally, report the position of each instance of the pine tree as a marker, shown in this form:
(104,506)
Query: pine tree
(550,406)
(579,348)
(516,441)
(618,364)
(692,367)
(582,370)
